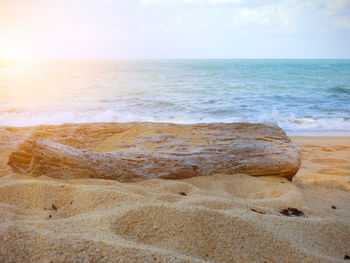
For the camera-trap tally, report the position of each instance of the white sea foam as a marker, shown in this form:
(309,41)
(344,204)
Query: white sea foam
(290,124)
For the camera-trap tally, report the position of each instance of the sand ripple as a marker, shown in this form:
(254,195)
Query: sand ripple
(191,220)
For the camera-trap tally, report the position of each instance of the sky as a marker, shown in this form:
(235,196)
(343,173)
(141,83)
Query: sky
(175,29)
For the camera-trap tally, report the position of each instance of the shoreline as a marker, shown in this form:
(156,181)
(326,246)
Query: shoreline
(290,133)
(318,133)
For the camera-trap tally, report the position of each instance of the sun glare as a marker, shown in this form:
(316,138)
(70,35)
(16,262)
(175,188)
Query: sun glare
(12,55)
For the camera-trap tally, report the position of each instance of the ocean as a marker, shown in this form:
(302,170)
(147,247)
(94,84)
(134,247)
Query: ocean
(300,96)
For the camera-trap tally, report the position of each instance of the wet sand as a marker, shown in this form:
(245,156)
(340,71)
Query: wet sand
(325,161)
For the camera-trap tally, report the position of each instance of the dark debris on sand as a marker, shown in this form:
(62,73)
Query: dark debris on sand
(292,212)
(256,211)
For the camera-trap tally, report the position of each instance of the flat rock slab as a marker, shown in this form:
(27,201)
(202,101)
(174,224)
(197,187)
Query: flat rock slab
(132,152)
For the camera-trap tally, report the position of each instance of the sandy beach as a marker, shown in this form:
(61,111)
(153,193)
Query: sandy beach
(217,218)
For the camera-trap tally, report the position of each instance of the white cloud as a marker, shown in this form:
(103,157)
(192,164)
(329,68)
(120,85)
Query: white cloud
(339,12)
(342,22)
(278,18)
(337,4)
(247,17)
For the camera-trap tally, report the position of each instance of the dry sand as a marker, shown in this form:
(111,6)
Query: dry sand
(203,219)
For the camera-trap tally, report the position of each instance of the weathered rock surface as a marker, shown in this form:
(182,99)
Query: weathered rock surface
(139,151)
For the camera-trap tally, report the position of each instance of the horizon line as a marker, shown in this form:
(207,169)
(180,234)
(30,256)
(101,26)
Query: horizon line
(165,58)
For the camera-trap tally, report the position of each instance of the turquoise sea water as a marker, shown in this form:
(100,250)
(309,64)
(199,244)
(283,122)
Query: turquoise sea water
(297,95)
